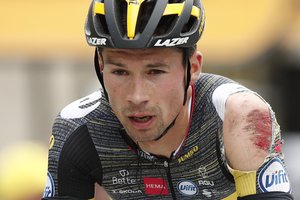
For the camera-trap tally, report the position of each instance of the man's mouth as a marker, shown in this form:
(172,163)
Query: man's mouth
(141,119)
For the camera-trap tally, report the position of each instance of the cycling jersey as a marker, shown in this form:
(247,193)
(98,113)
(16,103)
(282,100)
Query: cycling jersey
(89,145)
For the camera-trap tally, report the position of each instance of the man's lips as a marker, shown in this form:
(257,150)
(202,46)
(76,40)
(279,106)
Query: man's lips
(141,121)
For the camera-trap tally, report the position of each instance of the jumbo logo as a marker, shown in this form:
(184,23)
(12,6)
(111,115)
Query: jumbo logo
(189,154)
(187,188)
(273,177)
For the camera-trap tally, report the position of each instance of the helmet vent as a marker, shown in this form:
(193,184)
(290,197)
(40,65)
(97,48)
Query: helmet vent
(145,23)
(121,13)
(165,25)
(146,7)
(191,26)
(102,26)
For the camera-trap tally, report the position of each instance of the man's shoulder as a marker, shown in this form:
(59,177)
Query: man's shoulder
(82,107)
(213,79)
(79,120)
(208,83)
(80,112)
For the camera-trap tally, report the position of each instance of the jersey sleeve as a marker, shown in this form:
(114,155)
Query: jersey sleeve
(272,175)
(73,162)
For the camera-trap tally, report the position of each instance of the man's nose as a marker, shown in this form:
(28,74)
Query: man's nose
(138,91)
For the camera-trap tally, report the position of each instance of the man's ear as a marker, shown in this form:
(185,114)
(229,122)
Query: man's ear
(196,66)
(100,60)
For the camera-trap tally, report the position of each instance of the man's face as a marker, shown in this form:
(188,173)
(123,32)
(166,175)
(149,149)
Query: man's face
(145,89)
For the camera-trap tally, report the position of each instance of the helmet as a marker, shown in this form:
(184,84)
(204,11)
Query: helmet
(132,24)
(137,24)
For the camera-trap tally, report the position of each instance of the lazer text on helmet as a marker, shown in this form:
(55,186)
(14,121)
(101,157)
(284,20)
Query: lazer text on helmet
(171,42)
(96,41)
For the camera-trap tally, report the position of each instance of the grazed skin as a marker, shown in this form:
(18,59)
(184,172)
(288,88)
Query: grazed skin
(260,124)
(247,131)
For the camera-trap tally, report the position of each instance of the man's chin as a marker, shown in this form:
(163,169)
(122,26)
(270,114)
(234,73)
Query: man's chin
(143,139)
(142,135)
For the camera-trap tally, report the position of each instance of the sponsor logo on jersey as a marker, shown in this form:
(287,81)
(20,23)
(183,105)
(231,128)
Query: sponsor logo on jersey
(49,190)
(81,107)
(96,41)
(204,176)
(203,172)
(155,186)
(171,42)
(124,172)
(273,177)
(51,143)
(206,183)
(145,155)
(129,191)
(123,179)
(188,154)
(207,193)
(187,188)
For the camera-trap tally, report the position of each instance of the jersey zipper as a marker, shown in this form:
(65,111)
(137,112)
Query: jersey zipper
(169,177)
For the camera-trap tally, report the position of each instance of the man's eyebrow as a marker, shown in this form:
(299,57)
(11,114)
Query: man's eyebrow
(157,64)
(152,65)
(111,62)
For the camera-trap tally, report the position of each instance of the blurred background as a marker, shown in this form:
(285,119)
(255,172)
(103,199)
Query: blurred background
(45,64)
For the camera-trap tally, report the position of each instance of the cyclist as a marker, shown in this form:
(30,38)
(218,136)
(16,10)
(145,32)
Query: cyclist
(159,128)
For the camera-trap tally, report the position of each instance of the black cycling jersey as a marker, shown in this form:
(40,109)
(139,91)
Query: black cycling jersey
(89,145)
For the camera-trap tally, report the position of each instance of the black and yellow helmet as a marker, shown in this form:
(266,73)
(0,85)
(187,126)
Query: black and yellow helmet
(144,23)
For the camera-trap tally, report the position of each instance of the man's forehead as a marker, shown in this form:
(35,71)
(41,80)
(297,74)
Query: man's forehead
(146,51)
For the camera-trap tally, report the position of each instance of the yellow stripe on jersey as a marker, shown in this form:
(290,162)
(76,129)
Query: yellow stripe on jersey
(245,182)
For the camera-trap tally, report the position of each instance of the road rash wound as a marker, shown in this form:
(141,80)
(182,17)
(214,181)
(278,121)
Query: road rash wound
(259,124)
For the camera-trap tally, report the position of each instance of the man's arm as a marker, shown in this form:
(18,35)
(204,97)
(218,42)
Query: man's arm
(250,131)
(73,164)
(100,193)
(247,131)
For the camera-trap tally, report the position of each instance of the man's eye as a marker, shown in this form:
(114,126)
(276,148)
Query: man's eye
(120,72)
(156,71)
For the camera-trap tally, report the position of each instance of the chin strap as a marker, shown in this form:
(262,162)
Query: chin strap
(188,72)
(188,79)
(167,129)
(99,73)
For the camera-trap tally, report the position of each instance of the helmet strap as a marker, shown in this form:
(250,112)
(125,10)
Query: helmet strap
(188,72)
(188,79)
(99,73)
(167,129)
